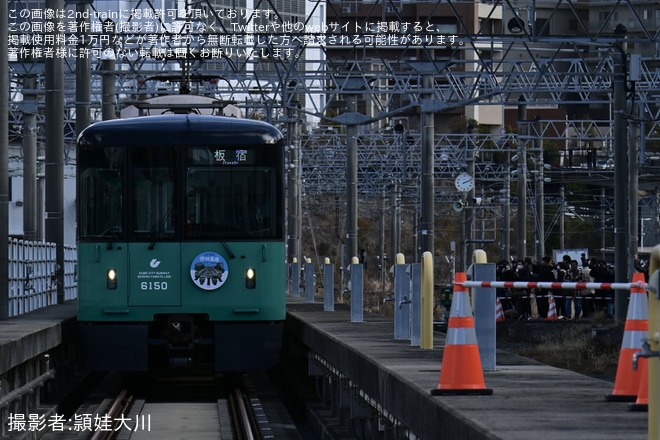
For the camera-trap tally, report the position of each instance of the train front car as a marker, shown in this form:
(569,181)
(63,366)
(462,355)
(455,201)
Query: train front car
(181,243)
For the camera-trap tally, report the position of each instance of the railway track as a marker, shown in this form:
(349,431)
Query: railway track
(183,408)
(219,407)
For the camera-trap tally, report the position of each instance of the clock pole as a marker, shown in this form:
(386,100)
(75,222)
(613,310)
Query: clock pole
(469,205)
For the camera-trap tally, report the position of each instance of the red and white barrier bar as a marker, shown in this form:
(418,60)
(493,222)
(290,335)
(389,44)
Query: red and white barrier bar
(553,285)
(515,297)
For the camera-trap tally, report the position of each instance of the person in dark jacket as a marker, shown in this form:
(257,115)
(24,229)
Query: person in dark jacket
(602,274)
(573,298)
(545,273)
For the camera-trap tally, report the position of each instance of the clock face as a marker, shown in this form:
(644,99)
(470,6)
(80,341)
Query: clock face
(464,182)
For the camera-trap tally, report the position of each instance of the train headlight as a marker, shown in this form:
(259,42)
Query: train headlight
(111,279)
(250,278)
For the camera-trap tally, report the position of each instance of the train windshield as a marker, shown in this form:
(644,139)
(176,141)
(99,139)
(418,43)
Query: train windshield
(100,179)
(153,183)
(178,192)
(231,198)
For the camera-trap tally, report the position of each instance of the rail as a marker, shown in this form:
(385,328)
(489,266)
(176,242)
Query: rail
(120,405)
(244,416)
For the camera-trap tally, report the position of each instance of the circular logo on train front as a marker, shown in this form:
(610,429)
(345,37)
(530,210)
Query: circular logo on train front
(209,270)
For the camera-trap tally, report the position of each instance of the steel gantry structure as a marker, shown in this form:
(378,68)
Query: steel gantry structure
(379,51)
(388,86)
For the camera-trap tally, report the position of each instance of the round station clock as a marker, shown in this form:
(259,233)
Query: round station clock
(464,182)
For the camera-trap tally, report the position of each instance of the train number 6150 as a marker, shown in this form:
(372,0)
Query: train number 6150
(153,285)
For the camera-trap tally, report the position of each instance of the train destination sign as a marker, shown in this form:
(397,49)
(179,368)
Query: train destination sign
(224,156)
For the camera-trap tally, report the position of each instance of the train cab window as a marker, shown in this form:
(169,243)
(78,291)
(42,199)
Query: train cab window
(230,203)
(232,200)
(153,184)
(100,187)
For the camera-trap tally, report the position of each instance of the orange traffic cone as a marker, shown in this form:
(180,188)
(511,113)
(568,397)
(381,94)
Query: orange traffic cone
(552,309)
(626,383)
(642,402)
(461,371)
(499,312)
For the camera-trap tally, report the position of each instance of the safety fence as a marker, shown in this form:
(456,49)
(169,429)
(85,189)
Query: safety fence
(32,275)
(516,290)
(554,285)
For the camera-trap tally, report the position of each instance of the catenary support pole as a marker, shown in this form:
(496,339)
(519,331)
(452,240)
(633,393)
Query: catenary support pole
(522,181)
(293,189)
(30,157)
(83,70)
(506,212)
(351,182)
(632,125)
(4,164)
(427,229)
(620,172)
(470,207)
(55,156)
(539,241)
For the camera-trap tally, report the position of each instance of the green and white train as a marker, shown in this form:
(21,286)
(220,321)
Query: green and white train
(181,243)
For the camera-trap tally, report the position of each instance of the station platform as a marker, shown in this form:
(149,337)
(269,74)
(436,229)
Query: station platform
(27,336)
(530,400)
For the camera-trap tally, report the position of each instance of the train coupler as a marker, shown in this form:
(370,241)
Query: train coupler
(180,336)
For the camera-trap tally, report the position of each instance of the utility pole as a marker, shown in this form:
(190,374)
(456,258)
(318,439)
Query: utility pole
(108,74)
(395,220)
(55,156)
(427,223)
(4,164)
(603,222)
(522,179)
(621,207)
(562,218)
(469,208)
(539,189)
(633,190)
(83,71)
(506,212)
(351,181)
(381,240)
(30,130)
(293,196)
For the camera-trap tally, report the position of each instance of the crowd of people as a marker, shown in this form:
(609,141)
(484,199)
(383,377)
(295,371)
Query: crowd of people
(569,304)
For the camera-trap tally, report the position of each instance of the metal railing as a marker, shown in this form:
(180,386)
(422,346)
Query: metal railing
(32,280)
